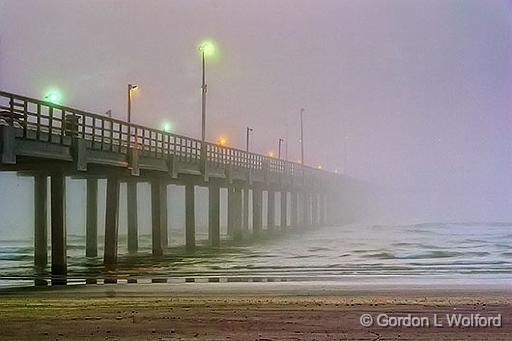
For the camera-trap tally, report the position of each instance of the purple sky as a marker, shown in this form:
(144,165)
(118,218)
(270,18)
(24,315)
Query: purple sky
(412,94)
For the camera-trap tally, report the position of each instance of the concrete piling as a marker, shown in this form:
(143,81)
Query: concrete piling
(58,227)
(245,212)
(91,223)
(132,199)
(237,213)
(231,203)
(158,216)
(284,210)
(307,209)
(190,220)
(314,209)
(271,206)
(40,220)
(293,209)
(214,215)
(111,221)
(257,208)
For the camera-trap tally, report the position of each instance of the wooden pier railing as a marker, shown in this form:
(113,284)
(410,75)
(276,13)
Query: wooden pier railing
(53,123)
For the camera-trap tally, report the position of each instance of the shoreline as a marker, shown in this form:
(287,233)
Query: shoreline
(244,311)
(200,285)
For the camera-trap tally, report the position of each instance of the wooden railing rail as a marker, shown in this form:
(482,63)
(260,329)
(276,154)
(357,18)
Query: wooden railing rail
(53,123)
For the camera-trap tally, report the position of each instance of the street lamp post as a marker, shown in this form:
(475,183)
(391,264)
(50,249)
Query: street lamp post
(246,189)
(206,48)
(203,96)
(301,136)
(247,139)
(131,87)
(279,149)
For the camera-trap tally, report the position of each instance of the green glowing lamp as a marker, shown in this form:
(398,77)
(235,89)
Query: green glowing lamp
(207,47)
(167,127)
(53,97)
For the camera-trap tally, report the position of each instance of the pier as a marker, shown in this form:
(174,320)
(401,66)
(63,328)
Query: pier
(50,141)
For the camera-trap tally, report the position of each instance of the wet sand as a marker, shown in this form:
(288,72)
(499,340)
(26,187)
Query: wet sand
(244,311)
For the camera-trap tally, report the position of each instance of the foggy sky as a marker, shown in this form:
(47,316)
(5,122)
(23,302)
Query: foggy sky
(412,95)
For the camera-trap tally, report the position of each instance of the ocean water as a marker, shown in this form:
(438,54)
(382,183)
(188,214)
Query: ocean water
(467,251)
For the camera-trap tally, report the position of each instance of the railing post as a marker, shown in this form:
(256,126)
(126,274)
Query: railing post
(266,170)
(204,160)
(133,158)
(79,149)
(38,122)
(25,119)
(133,151)
(172,166)
(11,109)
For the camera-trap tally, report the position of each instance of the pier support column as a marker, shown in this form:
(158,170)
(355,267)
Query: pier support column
(337,209)
(257,212)
(307,209)
(91,222)
(284,210)
(332,210)
(214,214)
(300,210)
(131,197)
(314,209)
(231,203)
(190,218)
(111,221)
(327,218)
(58,220)
(163,216)
(158,216)
(237,213)
(293,208)
(328,211)
(321,208)
(245,224)
(40,220)
(271,206)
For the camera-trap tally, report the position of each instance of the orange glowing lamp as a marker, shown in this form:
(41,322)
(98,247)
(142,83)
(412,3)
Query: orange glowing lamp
(222,141)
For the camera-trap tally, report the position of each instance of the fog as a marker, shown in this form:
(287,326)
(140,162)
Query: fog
(411,97)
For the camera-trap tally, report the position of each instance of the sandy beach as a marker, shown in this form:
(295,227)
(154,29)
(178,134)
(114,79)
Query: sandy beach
(244,312)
